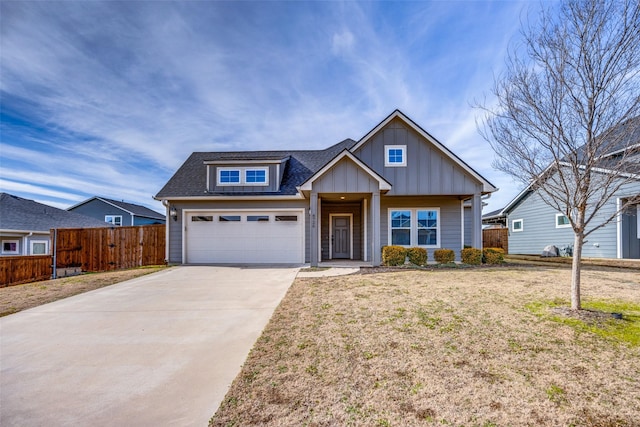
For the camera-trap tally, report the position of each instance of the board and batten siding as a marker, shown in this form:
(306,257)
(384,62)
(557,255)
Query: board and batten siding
(345,177)
(539,228)
(450,219)
(176,227)
(428,170)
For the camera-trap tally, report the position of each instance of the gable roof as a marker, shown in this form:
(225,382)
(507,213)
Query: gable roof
(190,179)
(383,183)
(21,214)
(487,186)
(130,208)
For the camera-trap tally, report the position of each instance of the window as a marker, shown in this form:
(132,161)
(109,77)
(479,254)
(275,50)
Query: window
(562,221)
(517,225)
(395,155)
(202,218)
(113,219)
(229,218)
(243,176)
(258,218)
(286,218)
(229,177)
(414,227)
(255,176)
(39,247)
(10,247)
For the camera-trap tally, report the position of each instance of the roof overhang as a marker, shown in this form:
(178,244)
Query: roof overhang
(383,184)
(213,197)
(247,162)
(487,187)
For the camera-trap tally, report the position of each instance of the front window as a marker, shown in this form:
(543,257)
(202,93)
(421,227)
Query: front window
(562,221)
(414,227)
(10,247)
(395,155)
(113,219)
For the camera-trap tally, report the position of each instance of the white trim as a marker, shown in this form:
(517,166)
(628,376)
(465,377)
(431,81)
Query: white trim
(383,184)
(242,171)
(389,164)
(333,215)
(319,223)
(487,187)
(46,246)
(185,212)
(366,238)
(213,197)
(563,225)
(246,162)
(462,223)
(638,219)
(114,220)
(521,221)
(413,229)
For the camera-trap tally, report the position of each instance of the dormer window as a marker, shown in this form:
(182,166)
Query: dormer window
(395,155)
(242,176)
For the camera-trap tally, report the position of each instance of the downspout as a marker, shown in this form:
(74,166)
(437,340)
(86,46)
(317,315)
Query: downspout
(165,203)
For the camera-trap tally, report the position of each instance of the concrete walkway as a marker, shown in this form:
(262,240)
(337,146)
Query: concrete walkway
(159,350)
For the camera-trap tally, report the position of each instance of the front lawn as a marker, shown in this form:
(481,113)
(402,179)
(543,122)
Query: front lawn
(480,347)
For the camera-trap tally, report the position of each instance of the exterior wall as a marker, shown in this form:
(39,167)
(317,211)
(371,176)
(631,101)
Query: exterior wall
(275,176)
(539,228)
(345,177)
(450,219)
(354,209)
(176,227)
(428,170)
(98,209)
(468,226)
(140,220)
(24,242)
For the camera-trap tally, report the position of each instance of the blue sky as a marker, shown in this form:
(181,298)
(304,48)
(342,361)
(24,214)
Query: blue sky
(109,98)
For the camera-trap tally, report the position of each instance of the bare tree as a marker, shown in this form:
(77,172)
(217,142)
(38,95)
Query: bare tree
(565,116)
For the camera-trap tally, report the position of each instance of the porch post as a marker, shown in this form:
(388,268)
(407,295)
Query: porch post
(376,255)
(313,230)
(476,220)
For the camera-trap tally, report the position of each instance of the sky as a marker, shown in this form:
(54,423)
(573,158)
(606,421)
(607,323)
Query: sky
(110,98)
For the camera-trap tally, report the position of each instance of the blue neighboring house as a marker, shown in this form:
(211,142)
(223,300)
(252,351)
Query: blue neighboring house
(25,225)
(117,213)
(533,224)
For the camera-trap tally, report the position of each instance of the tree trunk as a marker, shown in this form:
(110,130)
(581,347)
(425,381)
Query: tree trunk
(575,271)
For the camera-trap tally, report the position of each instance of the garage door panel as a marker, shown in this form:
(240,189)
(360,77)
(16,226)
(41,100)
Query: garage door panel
(245,241)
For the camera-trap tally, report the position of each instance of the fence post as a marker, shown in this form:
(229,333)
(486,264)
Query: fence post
(55,253)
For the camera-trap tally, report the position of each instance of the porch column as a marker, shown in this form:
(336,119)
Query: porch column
(313,230)
(476,221)
(376,254)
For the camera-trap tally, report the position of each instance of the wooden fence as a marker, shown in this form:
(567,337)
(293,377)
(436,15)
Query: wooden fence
(15,270)
(102,249)
(496,238)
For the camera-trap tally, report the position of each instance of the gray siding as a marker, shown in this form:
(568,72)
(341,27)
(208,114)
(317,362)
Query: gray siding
(428,170)
(539,229)
(345,176)
(450,219)
(175,227)
(98,209)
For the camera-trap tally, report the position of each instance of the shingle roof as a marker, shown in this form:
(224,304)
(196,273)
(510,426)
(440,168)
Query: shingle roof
(17,213)
(132,208)
(190,179)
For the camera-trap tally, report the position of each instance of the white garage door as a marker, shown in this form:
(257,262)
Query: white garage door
(244,237)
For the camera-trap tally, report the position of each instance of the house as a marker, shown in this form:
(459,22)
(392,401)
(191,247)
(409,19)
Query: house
(396,185)
(533,224)
(494,219)
(117,212)
(25,225)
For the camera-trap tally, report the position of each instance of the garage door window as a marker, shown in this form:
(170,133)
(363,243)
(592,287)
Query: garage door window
(202,218)
(258,218)
(286,218)
(229,218)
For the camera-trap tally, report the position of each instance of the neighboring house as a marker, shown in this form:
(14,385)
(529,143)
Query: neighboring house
(494,219)
(533,224)
(117,213)
(25,225)
(396,185)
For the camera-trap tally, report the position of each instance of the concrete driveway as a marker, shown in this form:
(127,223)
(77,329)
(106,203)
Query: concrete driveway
(159,350)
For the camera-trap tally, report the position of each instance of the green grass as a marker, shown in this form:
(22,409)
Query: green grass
(626,330)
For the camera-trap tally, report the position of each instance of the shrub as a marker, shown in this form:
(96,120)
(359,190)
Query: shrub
(393,255)
(444,256)
(417,256)
(493,255)
(471,256)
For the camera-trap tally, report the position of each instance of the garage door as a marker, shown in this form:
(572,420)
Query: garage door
(244,237)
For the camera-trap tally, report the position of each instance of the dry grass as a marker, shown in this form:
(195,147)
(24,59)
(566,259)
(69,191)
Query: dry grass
(443,347)
(21,297)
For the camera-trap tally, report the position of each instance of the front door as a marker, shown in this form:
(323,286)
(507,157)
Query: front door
(341,237)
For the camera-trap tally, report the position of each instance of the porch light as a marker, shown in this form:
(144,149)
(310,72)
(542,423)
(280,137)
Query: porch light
(342,197)
(173,213)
